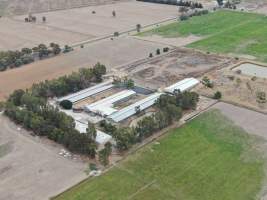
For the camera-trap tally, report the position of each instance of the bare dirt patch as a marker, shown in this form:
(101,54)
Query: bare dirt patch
(178,64)
(109,52)
(32,169)
(253,122)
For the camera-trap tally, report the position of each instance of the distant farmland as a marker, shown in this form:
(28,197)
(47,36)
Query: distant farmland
(207,159)
(223,32)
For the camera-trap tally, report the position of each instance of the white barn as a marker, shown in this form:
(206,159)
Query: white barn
(183,85)
(87,92)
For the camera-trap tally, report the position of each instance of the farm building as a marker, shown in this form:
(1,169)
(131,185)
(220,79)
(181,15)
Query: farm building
(101,137)
(134,108)
(183,85)
(104,107)
(87,92)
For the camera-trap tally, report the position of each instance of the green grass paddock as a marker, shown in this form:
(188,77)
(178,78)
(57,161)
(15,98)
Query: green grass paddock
(209,158)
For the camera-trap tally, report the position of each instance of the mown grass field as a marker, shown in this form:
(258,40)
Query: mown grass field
(207,159)
(223,32)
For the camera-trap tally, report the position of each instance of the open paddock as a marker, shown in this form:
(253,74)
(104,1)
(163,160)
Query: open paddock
(128,14)
(112,53)
(80,24)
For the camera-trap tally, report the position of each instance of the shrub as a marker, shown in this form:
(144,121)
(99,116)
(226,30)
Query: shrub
(116,34)
(165,49)
(66,104)
(217,95)
(158,51)
(238,71)
(150,55)
(261,97)
(207,82)
(254,78)
(184,17)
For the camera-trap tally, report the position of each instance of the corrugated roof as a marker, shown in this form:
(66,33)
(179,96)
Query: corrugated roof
(87,92)
(104,106)
(132,109)
(182,85)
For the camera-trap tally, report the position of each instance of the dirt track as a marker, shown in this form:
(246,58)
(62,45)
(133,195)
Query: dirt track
(31,169)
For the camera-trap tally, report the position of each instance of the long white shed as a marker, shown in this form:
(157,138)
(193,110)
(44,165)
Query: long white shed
(87,92)
(183,85)
(104,107)
(132,109)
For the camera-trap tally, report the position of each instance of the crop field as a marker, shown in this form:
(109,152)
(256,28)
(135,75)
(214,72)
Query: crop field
(208,158)
(230,32)
(72,26)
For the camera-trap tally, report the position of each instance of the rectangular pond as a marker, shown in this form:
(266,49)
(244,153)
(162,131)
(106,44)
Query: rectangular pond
(252,70)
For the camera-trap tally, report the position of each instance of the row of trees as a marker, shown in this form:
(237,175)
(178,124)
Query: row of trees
(190,4)
(31,110)
(69,83)
(169,110)
(13,59)
(186,16)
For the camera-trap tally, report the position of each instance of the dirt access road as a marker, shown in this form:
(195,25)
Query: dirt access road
(31,169)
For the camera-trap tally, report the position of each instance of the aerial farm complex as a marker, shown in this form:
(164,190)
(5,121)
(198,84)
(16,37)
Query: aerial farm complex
(133,99)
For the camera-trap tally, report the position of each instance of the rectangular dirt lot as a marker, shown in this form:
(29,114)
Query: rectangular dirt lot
(109,52)
(31,169)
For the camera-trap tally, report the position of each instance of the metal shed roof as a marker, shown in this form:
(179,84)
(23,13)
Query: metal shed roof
(104,106)
(183,85)
(132,109)
(87,92)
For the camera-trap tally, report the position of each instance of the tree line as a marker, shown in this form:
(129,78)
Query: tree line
(31,110)
(169,110)
(190,4)
(13,59)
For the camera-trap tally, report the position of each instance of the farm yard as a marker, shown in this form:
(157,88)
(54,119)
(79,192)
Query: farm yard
(176,65)
(127,130)
(208,158)
(28,165)
(80,24)
(224,31)
(104,51)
